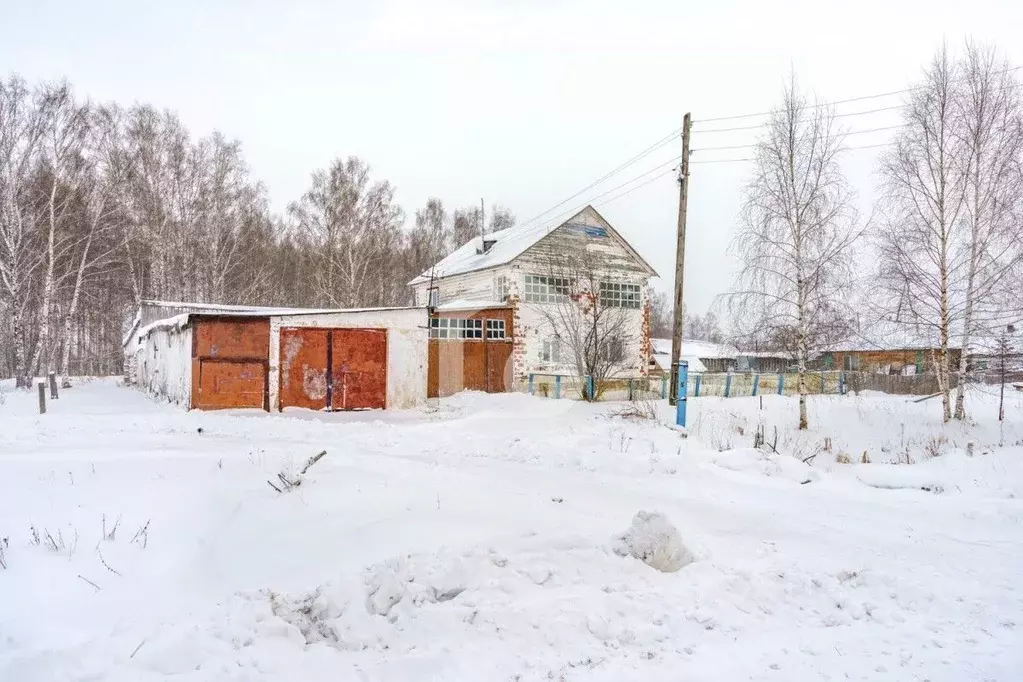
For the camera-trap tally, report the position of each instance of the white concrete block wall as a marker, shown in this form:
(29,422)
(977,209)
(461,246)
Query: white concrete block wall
(163,364)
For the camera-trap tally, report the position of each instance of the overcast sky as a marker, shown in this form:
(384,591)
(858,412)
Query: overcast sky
(521,103)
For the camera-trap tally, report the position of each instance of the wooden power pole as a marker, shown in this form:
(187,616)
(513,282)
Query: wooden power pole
(680,260)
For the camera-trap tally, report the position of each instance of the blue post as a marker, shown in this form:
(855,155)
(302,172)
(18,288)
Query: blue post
(664,386)
(680,404)
(530,384)
(781,384)
(699,380)
(841,384)
(590,393)
(728,384)
(756,384)
(557,386)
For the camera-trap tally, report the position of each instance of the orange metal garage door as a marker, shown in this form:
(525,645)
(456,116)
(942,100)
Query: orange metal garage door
(343,369)
(229,362)
(230,383)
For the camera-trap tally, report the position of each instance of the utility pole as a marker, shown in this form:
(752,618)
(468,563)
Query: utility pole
(680,259)
(482,223)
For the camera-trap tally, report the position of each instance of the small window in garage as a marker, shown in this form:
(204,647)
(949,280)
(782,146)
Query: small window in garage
(495,329)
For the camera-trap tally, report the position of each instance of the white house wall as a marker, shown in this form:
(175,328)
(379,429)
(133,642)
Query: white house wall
(407,339)
(163,363)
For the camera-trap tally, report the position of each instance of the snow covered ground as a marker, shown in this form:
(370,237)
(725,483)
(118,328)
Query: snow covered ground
(481,540)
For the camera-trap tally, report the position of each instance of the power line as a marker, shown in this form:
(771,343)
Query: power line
(754,144)
(656,145)
(837,101)
(642,184)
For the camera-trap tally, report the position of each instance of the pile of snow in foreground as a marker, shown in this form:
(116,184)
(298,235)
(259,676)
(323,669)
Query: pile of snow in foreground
(494,538)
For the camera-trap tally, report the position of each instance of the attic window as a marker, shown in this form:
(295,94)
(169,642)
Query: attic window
(488,244)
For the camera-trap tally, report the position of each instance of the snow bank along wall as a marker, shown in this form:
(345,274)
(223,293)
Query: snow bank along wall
(346,359)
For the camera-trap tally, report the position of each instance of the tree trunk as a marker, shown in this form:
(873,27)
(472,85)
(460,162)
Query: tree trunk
(43,342)
(69,317)
(23,374)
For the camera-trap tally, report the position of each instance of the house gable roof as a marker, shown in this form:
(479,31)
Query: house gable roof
(510,244)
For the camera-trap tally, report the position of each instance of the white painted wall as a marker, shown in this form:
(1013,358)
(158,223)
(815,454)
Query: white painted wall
(163,363)
(407,348)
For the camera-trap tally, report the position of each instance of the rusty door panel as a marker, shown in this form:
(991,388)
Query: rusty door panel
(303,380)
(358,369)
(499,367)
(445,368)
(224,384)
(232,338)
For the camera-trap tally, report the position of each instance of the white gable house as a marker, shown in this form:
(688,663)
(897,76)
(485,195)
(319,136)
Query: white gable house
(543,273)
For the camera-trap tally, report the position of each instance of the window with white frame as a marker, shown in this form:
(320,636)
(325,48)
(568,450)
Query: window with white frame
(550,350)
(540,289)
(619,295)
(495,329)
(502,288)
(455,328)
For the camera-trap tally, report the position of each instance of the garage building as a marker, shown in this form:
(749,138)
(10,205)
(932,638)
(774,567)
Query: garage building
(218,357)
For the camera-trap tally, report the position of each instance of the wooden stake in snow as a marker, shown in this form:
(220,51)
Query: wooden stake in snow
(53,386)
(42,398)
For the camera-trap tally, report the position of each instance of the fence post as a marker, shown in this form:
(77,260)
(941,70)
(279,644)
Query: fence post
(630,389)
(822,383)
(591,393)
(42,397)
(664,386)
(728,384)
(680,403)
(756,384)
(841,383)
(53,386)
(781,384)
(699,380)
(530,384)
(557,386)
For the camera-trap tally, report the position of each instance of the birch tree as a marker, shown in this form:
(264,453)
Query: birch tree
(924,241)
(990,125)
(797,227)
(22,127)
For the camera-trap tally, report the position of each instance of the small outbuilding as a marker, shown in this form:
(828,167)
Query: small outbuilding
(218,357)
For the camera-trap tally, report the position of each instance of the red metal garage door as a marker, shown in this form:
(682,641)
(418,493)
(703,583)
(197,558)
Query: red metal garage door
(359,369)
(230,383)
(344,369)
(303,368)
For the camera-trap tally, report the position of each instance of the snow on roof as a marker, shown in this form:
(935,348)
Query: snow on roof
(663,361)
(470,304)
(886,335)
(699,349)
(507,246)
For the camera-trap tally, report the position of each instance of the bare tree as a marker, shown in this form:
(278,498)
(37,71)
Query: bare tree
(660,314)
(990,123)
(590,324)
(354,225)
(501,218)
(924,243)
(797,225)
(22,129)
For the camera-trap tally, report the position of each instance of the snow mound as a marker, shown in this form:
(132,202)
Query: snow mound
(655,541)
(751,460)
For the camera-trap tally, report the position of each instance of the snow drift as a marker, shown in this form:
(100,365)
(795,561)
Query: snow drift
(655,541)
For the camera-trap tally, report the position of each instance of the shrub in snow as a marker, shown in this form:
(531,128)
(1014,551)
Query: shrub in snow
(655,541)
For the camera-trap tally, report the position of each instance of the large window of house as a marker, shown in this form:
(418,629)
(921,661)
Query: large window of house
(502,287)
(852,362)
(540,289)
(456,328)
(550,350)
(619,295)
(495,329)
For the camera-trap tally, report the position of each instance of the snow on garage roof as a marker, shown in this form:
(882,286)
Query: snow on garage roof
(510,244)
